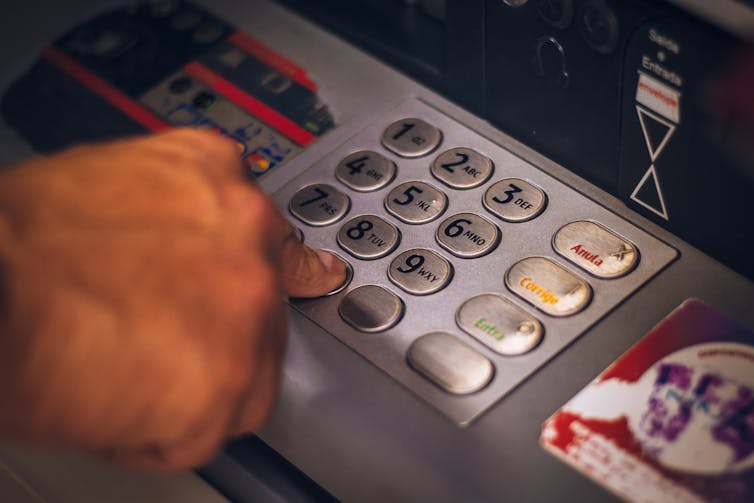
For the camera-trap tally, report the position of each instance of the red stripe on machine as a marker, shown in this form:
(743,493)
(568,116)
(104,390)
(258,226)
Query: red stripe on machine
(271,58)
(104,89)
(255,107)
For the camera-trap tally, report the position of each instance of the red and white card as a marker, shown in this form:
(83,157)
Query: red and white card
(672,419)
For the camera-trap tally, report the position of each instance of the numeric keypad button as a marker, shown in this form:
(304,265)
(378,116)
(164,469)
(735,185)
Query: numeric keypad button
(467,235)
(416,202)
(515,200)
(319,205)
(411,137)
(368,237)
(371,308)
(365,171)
(462,168)
(420,271)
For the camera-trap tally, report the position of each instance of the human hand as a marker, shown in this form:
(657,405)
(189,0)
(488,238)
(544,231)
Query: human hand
(141,286)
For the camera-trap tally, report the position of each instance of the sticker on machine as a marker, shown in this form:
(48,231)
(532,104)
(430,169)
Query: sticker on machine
(672,419)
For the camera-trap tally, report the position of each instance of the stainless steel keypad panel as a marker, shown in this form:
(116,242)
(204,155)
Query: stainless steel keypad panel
(420,271)
(462,168)
(368,237)
(392,318)
(411,137)
(416,202)
(514,200)
(468,235)
(365,171)
(319,205)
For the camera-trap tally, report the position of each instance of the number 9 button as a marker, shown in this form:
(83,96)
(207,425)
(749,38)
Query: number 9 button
(368,237)
(467,235)
(420,271)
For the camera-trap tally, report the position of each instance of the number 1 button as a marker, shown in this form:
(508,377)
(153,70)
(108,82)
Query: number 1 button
(319,205)
(411,137)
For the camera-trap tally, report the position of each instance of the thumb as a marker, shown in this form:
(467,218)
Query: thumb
(307,272)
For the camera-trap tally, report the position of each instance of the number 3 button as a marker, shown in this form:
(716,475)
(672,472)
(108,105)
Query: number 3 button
(368,237)
(420,271)
(515,200)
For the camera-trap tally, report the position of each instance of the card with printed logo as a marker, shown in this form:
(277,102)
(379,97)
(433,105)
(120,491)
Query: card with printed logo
(672,419)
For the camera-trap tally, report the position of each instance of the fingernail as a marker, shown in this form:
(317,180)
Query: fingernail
(331,261)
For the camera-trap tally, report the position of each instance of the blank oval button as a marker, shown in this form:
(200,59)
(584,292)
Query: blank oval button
(450,363)
(371,308)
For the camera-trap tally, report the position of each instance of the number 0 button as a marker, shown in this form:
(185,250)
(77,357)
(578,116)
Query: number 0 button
(515,200)
(420,271)
(411,137)
(467,235)
(368,237)
(319,205)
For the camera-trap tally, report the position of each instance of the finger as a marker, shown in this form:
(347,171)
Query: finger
(217,155)
(306,272)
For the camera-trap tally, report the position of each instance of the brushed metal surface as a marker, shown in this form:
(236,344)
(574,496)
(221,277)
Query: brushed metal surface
(499,324)
(411,137)
(450,363)
(371,308)
(420,271)
(365,171)
(319,205)
(416,202)
(548,286)
(515,200)
(462,168)
(596,249)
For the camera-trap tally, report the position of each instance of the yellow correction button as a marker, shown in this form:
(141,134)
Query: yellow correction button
(548,286)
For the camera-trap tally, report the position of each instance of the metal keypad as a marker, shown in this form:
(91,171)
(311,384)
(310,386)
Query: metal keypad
(368,237)
(416,202)
(411,137)
(461,322)
(319,205)
(467,235)
(365,171)
(420,271)
(462,168)
(514,200)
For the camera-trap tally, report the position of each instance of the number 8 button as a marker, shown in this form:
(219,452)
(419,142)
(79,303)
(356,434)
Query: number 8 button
(368,237)
(467,235)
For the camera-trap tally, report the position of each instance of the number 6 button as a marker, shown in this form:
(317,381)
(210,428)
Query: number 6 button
(368,237)
(515,200)
(319,205)
(420,271)
(467,235)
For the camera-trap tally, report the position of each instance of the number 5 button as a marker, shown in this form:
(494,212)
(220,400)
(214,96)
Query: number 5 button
(416,202)
(420,271)
(319,205)
(515,200)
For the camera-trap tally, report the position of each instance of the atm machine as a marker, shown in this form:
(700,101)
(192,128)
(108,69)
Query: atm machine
(547,210)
